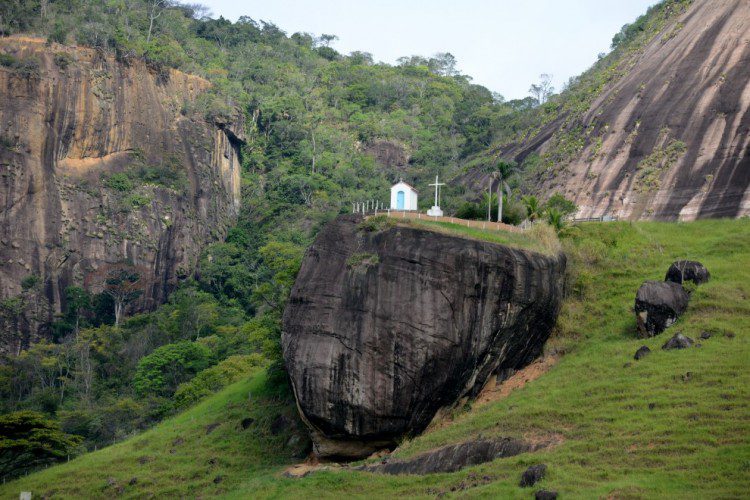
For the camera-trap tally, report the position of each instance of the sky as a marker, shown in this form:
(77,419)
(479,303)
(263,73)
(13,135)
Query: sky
(504,45)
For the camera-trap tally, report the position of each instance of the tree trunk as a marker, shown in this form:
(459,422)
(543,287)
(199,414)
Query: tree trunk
(315,149)
(118,311)
(489,202)
(500,200)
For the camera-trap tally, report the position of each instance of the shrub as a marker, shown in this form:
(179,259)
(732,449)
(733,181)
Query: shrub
(162,371)
(215,378)
(546,236)
(29,69)
(366,259)
(25,68)
(138,200)
(377,223)
(8,61)
(471,211)
(30,281)
(63,60)
(119,182)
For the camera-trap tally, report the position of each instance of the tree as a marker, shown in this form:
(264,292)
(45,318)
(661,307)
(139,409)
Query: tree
(155,11)
(29,440)
(555,219)
(123,283)
(504,170)
(325,40)
(282,260)
(533,208)
(542,91)
(78,302)
(168,366)
(443,64)
(561,204)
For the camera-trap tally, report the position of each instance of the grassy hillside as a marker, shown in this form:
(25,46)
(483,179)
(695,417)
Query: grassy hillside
(675,424)
(208,450)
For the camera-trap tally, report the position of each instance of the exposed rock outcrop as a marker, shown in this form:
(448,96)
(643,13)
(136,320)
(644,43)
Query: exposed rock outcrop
(384,328)
(687,270)
(455,457)
(669,138)
(65,134)
(658,304)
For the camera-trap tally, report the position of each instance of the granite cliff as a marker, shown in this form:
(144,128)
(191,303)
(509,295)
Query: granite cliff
(384,328)
(667,137)
(103,162)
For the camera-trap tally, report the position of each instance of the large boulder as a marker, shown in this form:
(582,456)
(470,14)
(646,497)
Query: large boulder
(385,327)
(658,304)
(687,270)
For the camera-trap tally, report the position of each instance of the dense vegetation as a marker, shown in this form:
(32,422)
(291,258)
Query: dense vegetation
(672,425)
(317,121)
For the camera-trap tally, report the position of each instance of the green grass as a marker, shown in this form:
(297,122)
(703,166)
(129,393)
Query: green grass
(631,429)
(203,451)
(540,238)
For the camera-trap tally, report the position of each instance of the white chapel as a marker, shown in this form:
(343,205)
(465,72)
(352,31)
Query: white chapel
(403,196)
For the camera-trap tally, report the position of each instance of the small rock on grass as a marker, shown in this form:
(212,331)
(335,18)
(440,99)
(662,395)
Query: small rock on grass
(679,341)
(545,495)
(706,335)
(642,352)
(532,475)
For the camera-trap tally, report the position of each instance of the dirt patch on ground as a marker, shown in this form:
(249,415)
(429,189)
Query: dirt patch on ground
(494,391)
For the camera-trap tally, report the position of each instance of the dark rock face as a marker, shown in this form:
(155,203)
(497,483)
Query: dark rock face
(679,341)
(384,328)
(642,352)
(63,136)
(453,458)
(658,304)
(687,270)
(533,475)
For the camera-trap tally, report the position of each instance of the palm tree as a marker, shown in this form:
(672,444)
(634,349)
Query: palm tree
(555,219)
(504,170)
(533,209)
(501,171)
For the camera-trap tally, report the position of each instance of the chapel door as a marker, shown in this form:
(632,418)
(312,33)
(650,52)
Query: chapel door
(400,200)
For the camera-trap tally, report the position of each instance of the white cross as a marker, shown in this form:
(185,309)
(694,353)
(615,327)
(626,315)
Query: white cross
(437,187)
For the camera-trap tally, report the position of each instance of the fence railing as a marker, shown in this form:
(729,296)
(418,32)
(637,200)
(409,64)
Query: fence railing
(603,218)
(477,224)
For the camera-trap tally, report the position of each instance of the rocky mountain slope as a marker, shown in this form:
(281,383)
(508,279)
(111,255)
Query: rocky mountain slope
(384,327)
(102,163)
(668,135)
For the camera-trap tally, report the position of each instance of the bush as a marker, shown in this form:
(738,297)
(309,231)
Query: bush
(29,69)
(8,61)
(561,204)
(25,68)
(138,200)
(471,211)
(377,223)
(63,60)
(215,378)
(162,371)
(119,182)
